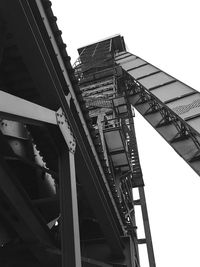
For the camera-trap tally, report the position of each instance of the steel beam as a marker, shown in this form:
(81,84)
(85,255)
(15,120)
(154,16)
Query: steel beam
(51,79)
(16,108)
(70,238)
(147,230)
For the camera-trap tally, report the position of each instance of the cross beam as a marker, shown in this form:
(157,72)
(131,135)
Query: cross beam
(18,108)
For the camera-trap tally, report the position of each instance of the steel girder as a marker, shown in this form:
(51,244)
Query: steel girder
(20,109)
(52,80)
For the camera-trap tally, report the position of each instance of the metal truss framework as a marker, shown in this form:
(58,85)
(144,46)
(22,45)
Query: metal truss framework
(18,109)
(52,86)
(168,117)
(102,89)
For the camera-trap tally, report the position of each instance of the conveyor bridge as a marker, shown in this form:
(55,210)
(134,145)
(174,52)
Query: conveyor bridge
(170,106)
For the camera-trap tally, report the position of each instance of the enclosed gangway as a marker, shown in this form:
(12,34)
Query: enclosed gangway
(170,106)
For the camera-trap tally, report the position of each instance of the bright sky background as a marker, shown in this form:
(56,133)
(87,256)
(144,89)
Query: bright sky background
(166,34)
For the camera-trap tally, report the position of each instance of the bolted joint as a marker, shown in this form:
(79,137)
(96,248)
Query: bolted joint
(65,130)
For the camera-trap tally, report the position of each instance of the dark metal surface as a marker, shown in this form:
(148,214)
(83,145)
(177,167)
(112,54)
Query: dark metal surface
(24,217)
(49,84)
(70,237)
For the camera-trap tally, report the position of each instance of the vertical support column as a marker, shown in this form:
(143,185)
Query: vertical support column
(137,256)
(70,239)
(147,230)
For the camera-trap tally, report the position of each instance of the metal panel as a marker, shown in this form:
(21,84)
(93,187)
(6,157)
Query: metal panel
(132,64)
(125,58)
(114,141)
(155,79)
(122,109)
(195,124)
(170,91)
(144,70)
(187,106)
(119,159)
(125,168)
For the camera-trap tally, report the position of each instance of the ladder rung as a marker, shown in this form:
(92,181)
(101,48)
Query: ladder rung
(137,202)
(141,241)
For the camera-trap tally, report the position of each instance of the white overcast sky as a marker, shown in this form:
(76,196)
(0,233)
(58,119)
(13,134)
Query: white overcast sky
(166,34)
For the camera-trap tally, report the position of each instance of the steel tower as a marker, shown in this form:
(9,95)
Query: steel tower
(111,116)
